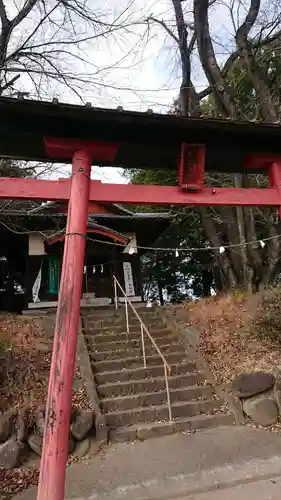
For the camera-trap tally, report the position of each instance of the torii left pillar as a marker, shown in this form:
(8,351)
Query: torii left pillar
(56,434)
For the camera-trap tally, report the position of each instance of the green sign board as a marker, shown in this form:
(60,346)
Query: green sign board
(54,275)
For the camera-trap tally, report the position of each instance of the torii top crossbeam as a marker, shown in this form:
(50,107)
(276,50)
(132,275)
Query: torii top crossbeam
(133,139)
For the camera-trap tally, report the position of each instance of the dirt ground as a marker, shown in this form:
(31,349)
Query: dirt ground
(238,333)
(24,376)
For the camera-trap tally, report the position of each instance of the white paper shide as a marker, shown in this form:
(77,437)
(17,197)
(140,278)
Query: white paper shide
(36,286)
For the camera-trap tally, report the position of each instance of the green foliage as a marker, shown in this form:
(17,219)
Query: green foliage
(268,62)
(189,274)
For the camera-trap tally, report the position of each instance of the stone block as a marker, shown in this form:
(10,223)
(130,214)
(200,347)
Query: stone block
(235,405)
(277,392)
(82,425)
(22,425)
(7,421)
(250,384)
(35,442)
(101,429)
(12,454)
(71,444)
(262,409)
(82,448)
(40,419)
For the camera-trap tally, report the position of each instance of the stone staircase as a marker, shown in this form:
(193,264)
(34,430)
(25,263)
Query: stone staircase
(134,398)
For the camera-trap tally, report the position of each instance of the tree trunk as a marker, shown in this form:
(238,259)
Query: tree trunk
(228,278)
(247,274)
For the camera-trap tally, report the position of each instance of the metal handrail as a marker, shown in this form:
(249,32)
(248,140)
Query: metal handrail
(167,367)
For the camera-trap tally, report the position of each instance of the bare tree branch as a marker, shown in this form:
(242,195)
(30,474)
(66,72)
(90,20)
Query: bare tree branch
(63,23)
(3,14)
(267,108)
(185,52)
(16,53)
(209,62)
(23,13)
(162,23)
(8,84)
(234,56)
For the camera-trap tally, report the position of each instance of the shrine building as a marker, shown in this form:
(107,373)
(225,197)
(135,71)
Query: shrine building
(115,237)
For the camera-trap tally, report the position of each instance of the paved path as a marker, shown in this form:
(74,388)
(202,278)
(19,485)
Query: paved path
(267,489)
(202,466)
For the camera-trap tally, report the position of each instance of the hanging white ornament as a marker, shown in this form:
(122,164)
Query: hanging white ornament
(101,269)
(177,253)
(94,269)
(262,243)
(131,250)
(222,250)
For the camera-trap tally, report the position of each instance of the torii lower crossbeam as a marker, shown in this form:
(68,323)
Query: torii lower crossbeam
(34,189)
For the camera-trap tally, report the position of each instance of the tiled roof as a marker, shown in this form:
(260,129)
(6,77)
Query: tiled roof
(16,208)
(142,140)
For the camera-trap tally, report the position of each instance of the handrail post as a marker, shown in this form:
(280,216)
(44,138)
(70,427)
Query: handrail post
(127,315)
(115,293)
(168,393)
(143,347)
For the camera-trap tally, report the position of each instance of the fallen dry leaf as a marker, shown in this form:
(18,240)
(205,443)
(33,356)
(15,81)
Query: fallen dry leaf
(26,383)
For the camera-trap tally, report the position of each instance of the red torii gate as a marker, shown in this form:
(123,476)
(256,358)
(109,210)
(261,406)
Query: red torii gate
(34,130)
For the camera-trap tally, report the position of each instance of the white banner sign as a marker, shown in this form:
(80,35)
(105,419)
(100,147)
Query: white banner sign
(36,286)
(128,278)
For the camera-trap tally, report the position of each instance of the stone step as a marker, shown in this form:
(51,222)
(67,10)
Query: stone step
(135,362)
(141,432)
(126,344)
(121,313)
(120,337)
(109,316)
(142,373)
(155,398)
(158,413)
(123,353)
(130,387)
(107,324)
(120,329)
(101,312)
